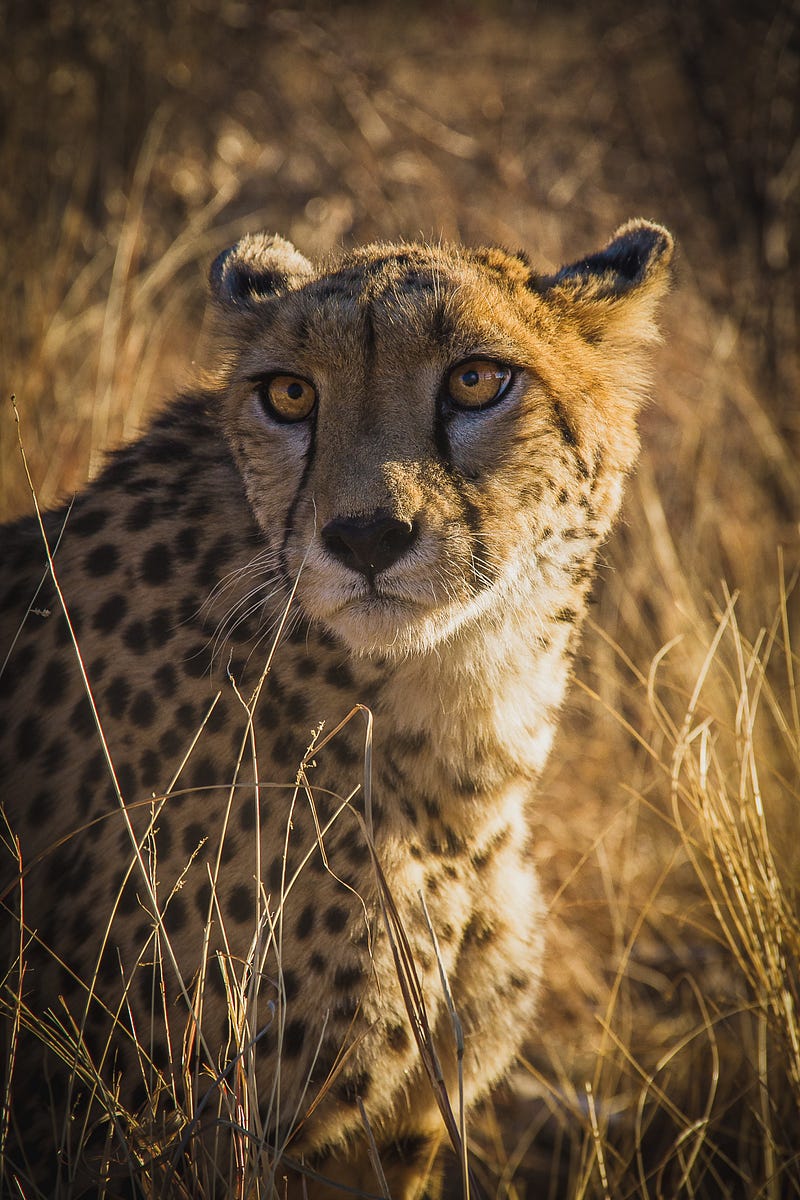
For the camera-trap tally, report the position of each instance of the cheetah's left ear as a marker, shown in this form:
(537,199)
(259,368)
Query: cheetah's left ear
(620,283)
(258,266)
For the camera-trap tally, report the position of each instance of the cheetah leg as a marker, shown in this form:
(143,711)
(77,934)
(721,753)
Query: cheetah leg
(410,1171)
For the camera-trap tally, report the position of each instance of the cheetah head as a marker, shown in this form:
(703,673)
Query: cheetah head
(428,434)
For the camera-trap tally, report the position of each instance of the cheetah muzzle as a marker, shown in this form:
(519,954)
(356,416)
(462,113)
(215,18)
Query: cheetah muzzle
(388,491)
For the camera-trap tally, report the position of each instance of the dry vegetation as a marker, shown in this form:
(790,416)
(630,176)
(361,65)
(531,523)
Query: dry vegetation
(139,138)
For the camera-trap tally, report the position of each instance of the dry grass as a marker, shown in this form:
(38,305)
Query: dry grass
(139,142)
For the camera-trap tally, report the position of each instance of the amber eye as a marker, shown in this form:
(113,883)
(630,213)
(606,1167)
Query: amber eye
(477,383)
(289,397)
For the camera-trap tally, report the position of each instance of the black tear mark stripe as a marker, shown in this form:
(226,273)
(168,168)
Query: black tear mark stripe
(564,426)
(298,495)
(569,438)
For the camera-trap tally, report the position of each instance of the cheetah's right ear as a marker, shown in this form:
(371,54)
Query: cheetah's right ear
(612,294)
(259,265)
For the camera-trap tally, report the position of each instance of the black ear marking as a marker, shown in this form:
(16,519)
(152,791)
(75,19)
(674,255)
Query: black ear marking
(256,267)
(632,256)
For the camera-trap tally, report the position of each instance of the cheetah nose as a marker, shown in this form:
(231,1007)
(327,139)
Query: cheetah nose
(370,544)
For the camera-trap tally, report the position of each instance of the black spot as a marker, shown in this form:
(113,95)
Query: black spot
(294,1035)
(127,780)
(150,770)
(218,718)
(411,741)
(212,563)
(193,835)
(81,719)
(176,914)
(284,752)
(296,706)
(468,785)
(566,615)
(128,901)
(305,922)
(108,970)
(81,927)
(101,560)
(477,933)
(432,882)
(93,774)
(136,637)
(241,903)
(143,710)
(356,847)
(275,874)
(298,635)
(63,635)
(349,1091)
(121,468)
(169,744)
(140,515)
(563,496)
(199,509)
(397,1038)
(317,963)
(166,450)
(414,1148)
(291,985)
(156,565)
(87,524)
(188,609)
(347,978)
(247,817)
(97,669)
(202,899)
(166,680)
(196,662)
(202,771)
(161,627)
(431,806)
(336,918)
(141,484)
(116,696)
(344,752)
(186,717)
(266,715)
(305,667)
(217,980)
(453,844)
(186,544)
(53,684)
(339,676)
(42,806)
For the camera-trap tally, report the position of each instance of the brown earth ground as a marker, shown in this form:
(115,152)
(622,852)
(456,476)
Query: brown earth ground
(140,138)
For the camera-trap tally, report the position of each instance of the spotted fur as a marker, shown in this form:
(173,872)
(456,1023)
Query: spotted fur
(219,620)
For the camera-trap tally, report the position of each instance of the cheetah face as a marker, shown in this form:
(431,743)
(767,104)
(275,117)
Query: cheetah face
(423,433)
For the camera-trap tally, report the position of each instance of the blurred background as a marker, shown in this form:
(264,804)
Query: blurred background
(138,139)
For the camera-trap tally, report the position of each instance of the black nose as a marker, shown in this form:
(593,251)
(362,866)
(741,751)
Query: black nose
(369,544)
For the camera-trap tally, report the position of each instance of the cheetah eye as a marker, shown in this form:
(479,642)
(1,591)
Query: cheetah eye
(478,383)
(287,397)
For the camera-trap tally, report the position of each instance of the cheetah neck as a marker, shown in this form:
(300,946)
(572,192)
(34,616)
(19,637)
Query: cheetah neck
(480,711)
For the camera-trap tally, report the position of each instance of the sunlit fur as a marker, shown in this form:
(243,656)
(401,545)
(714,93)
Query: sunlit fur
(219,630)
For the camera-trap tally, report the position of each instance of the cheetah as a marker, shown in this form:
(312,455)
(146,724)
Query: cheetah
(277,689)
